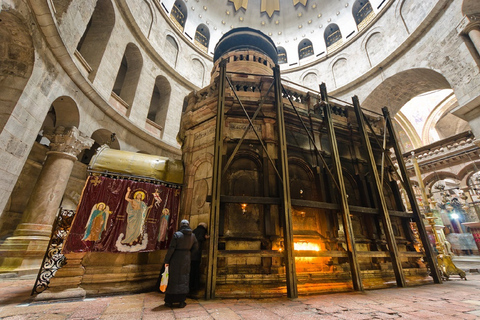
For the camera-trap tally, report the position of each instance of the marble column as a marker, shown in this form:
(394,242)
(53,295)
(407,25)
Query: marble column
(23,252)
(474,34)
(470,26)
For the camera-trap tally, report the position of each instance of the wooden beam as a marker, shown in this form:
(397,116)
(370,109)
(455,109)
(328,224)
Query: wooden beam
(378,191)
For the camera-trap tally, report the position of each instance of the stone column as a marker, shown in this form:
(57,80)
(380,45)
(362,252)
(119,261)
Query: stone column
(474,35)
(23,253)
(470,25)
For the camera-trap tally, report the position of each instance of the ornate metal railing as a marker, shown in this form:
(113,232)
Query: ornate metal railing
(54,259)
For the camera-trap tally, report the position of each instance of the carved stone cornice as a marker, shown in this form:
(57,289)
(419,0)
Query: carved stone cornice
(460,148)
(69,141)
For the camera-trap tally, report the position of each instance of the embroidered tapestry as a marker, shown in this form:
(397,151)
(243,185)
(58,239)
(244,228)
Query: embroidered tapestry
(121,215)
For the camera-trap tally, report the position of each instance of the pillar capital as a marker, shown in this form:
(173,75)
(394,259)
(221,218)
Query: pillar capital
(69,141)
(469,23)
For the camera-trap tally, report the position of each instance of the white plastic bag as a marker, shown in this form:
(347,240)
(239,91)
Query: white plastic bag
(164,281)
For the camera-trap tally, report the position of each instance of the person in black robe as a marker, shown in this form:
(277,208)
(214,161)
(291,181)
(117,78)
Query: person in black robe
(178,261)
(200,233)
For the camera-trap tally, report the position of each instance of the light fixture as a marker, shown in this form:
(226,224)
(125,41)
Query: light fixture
(244,208)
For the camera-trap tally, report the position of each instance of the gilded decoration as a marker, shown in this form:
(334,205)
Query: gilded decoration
(239,4)
(270,6)
(304,2)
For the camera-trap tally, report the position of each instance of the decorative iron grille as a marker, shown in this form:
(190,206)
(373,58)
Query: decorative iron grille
(54,259)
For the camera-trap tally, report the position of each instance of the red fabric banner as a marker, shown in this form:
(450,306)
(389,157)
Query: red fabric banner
(120,215)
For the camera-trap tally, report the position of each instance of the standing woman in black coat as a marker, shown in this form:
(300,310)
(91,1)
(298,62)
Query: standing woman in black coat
(178,261)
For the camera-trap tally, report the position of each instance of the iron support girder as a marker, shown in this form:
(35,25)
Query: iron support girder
(292,291)
(378,190)
(430,256)
(216,186)
(347,221)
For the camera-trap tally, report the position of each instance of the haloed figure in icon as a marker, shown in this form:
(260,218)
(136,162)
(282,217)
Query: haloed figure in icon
(97,222)
(137,211)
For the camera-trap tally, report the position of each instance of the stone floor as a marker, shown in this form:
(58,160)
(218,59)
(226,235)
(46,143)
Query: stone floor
(454,299)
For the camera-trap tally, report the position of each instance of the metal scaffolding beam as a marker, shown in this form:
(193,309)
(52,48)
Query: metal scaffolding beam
(347,221)
(378,191)
(291,275)
(216,186)
(430,255)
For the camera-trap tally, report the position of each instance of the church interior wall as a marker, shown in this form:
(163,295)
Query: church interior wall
(430,45)
(421,54)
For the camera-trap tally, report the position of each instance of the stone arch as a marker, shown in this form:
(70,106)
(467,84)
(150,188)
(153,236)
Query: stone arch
(310,80)
(243,176)
(431,178)
(413,12)
(146,22)
(160,101)
(374,48)
(198,72)
(302,180)
(305,49)
(470,7)
(97,33)
(400,88)
(362,12)
(63,112)
(179,14)
(244,179)
(128,74)
(66,112)
(101,137)
(442,121)
(332,36)
(282,55)
(339,71)
(406,133)
(389,196)
(199,172)
(202,37)
(202,180)
(16,63)
(351,188)
(469,170)
(171,50)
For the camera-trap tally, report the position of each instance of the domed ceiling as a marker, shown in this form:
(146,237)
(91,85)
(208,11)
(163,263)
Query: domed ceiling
(307,30)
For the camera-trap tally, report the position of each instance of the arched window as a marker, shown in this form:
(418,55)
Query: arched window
(305,49)
(333,36)
(282,55)
(94,41)
(171,50)
(197,72)
(202,37)
(179,14)
(128,74)
(362,13)
(101,137)
(159,102)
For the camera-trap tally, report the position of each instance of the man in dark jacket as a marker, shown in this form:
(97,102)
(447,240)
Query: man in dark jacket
(178,261)
(200,233)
